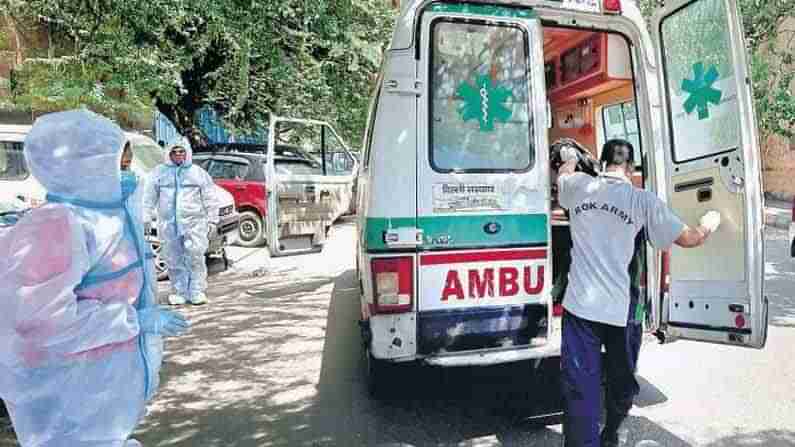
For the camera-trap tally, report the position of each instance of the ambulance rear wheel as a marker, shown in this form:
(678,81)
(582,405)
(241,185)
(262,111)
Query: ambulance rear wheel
(377,376)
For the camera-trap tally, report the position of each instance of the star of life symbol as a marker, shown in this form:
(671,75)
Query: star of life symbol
(484,102)
(702,93)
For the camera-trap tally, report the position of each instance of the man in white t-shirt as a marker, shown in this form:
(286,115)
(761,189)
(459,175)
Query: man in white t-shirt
(606,214)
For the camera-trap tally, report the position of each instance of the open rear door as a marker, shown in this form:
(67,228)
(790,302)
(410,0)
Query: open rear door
(712,158)
(482,183)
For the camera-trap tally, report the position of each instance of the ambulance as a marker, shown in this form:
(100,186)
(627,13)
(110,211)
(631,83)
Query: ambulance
(459,231)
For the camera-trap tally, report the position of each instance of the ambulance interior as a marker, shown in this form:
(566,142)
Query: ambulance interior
(591,93)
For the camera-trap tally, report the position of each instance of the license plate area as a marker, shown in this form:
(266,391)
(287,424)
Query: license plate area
(444,331)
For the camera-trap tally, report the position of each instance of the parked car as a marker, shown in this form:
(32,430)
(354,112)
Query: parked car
(17,185)
(240,169)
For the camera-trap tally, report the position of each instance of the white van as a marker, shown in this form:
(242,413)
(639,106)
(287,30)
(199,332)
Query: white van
(457,227)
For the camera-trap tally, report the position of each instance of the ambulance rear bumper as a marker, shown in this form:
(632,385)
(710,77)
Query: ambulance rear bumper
(542,349)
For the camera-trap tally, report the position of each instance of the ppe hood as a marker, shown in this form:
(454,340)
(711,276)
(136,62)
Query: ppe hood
(76,155)
(188,153)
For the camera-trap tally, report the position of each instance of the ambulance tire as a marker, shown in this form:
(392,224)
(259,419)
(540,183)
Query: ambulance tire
(548,378)
(377,376)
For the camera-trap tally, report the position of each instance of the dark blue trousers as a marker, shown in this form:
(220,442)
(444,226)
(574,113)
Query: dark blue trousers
(581,376)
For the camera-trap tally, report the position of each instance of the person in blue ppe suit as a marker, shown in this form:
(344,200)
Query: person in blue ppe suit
(80,331)
(181,195)
(598,297)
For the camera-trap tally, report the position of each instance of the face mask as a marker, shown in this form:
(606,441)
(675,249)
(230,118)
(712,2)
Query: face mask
(128,183)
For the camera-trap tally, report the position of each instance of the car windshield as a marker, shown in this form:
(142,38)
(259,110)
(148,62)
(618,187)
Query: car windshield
(227,170)
(297,167)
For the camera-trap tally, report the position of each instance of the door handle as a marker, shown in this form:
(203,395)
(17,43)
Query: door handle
(704,195)
(694,184)
(240,188)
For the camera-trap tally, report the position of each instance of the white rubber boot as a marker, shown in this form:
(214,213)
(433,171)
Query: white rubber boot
(199,299)
(176,300)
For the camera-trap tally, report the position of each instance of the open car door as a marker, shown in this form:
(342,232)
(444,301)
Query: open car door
(309,177)
(712,161)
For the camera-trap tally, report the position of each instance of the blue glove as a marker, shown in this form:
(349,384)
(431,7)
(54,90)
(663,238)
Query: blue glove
(157,321)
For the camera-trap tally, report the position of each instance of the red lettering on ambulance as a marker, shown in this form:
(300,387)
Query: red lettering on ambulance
(539,285)
(509,286)
(452,286)
(480,286)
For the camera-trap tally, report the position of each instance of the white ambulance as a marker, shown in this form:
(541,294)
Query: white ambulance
(458,226)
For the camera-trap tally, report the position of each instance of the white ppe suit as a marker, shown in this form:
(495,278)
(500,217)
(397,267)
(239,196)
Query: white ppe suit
(80,330)
(185,204)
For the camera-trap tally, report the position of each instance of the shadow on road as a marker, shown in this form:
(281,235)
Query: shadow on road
(434,407)
(431,407)
(245,375)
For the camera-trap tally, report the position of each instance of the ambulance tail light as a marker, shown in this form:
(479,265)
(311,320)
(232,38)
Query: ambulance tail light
(393,285)
(613,6)
(665,272)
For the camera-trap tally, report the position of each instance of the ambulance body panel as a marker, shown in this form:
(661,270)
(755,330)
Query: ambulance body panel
(457,226)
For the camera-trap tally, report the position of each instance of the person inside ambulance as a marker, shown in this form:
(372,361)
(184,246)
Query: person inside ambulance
(597,299)
(180,194)
(81,329)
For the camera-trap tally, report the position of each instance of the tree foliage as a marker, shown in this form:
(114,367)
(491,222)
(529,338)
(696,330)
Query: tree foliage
(244,58)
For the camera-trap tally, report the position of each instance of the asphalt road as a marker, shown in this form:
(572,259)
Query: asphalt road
(275,359)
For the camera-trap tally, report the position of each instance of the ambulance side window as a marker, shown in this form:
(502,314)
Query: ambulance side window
(621,121)
(371,124)
(480,120)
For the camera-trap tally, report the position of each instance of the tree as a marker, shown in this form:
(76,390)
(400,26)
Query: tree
(771,48)
(244,58)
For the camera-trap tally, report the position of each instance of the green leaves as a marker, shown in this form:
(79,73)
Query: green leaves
(245,58)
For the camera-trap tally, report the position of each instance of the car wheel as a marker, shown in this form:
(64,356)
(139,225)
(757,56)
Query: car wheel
(251,231)
(161,269)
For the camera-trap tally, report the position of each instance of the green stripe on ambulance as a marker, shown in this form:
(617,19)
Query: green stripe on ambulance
(464,231)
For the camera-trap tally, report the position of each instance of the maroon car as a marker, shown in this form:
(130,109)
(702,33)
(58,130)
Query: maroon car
(239,169)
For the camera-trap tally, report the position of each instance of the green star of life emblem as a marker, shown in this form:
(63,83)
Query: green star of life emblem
(701,91)
(484,102)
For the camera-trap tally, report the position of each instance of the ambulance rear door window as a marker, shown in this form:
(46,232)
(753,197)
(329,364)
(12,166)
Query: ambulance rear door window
(480,119)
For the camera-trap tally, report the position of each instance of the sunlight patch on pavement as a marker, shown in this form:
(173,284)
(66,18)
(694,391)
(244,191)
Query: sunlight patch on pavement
(483,441)
(294,395)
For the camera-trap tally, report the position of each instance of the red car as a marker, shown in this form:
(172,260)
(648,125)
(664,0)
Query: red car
(243,176)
